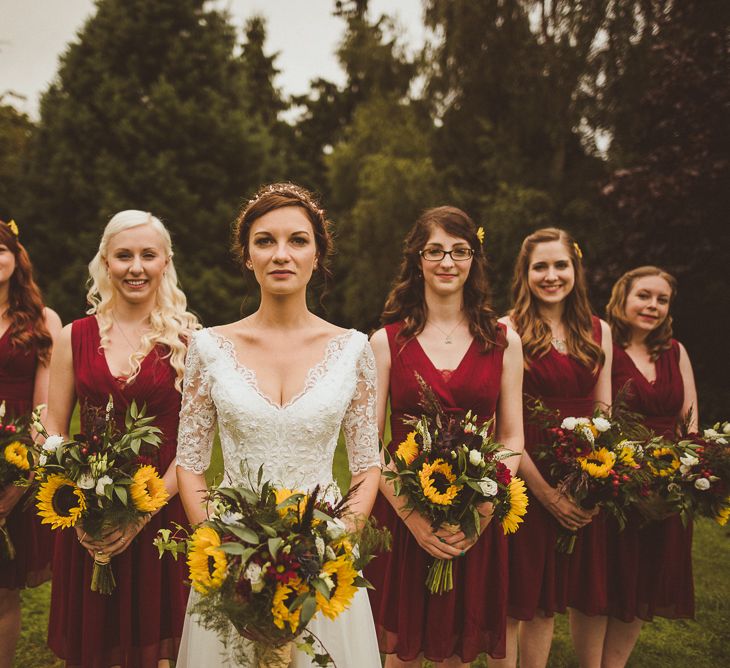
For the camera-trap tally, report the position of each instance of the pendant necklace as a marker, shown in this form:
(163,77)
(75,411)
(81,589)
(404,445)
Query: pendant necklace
(448,340)
(121,331)
(560,345)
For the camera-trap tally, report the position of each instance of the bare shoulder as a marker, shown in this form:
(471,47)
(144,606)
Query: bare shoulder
(52,319)
(379,342)
(513,338)
(606,337)
(507,320)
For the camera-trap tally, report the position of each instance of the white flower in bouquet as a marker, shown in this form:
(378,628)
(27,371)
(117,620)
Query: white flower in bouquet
(470,428)
(488,486)
(475,457)
(52,443)
(569,423)
(101,484)
(702,484)
(710,433)
(253,574)
(336,528)
(586,432)
(726,428)
(688,459)
(228,517)
(327,579)
(319,544)
(602,424)
(721,440)
(2,410)
(86,481)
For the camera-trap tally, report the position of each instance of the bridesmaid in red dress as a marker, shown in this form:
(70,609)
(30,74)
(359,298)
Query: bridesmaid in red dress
(567,366)
(132,347)
(650,566)
(439,323)
(27,330)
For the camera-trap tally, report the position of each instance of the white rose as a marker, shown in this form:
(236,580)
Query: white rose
(43,459)
(726,428)
(253,575)
(101,483)
(86,481)
(601,424)
(688,459)
(709,433)
(475,457)
(488,486)
(702,484)
(683,469)
(569,423)
(53,443)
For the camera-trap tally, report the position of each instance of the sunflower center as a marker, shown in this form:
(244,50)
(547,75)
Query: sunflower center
(64,500)
(440,481)
(595,460)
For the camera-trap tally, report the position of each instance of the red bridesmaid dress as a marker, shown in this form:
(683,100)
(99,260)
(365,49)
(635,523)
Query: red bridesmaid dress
(33,541)
(650,564)
(471,618)
(141,621)
(540,577)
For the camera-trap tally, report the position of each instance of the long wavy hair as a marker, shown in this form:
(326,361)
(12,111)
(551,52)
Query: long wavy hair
(277,196)
(407,299)
(27,329)
(660,338)
(171,324)
(533,329)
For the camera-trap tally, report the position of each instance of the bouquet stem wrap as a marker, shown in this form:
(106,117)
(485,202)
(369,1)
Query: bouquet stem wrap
(7,549)
(565,542)
(102,577)
(268,656)
(440,578)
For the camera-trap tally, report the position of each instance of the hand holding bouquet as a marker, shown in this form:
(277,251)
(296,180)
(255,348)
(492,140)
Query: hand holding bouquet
(268,560)
(450,469)
(99,480)
(16,462)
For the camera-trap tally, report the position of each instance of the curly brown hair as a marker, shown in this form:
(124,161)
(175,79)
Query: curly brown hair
(407,301)
(525,315)
(27,328)
(660,338)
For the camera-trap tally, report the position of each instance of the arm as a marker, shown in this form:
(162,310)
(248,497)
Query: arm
(510,431)
(602,392)
(690,391)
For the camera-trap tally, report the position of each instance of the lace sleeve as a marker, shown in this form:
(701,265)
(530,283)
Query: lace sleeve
(360,423)
(197,415)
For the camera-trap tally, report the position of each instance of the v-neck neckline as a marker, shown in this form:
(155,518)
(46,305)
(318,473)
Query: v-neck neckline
(651,383)
(453,371)
(313,372)
(120,380)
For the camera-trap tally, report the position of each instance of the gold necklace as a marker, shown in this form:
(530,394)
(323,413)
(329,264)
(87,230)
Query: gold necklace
(448,340)
(121,331)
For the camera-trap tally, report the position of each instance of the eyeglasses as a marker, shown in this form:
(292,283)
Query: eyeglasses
(438,254)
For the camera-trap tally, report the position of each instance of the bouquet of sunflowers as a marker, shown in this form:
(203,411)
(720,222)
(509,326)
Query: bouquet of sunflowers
(448,468)
(267,561)
(99,479)
(591,461)
(691,476)
(16,462)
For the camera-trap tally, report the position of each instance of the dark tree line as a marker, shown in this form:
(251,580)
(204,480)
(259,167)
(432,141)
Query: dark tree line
(606,117)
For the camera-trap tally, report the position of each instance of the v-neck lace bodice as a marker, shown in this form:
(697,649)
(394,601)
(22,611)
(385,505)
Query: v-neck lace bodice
(295,442)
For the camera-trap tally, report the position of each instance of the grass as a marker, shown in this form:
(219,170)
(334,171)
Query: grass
(703,643)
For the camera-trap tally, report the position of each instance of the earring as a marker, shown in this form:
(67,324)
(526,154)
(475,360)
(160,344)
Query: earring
(249,265)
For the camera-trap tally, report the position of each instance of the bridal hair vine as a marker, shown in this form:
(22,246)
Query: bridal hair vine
(13,227)
(578,251)
(291,190)
(480,235)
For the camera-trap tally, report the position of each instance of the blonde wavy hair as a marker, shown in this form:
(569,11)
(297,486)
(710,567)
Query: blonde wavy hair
(659,339)
(171,324)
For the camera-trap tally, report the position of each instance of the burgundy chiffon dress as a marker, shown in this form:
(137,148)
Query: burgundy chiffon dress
(141,621)
(540,577)
(650,563)
(471,618)
(33,541)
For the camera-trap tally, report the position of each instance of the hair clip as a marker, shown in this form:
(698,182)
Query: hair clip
(480,235)
(578,251)
(13,227)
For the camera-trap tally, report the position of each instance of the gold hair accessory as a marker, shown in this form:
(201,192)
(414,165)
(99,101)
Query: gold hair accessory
(289,189)
(480,235)
(13,227)
(578,251)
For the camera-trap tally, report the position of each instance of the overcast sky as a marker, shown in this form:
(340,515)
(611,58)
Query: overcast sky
(34,33)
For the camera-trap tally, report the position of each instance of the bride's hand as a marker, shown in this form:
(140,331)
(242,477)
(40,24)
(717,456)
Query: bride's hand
(435,543)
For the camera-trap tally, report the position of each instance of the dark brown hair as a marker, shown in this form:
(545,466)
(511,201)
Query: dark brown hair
(407,301)
(525,315)
(27,328)
(660,338)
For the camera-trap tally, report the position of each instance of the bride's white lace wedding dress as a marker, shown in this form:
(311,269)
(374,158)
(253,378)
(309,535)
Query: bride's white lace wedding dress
(295,443)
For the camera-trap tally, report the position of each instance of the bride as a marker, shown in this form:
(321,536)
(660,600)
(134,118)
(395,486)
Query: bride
(280,384)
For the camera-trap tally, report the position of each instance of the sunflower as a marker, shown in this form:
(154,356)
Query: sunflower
(663,462)
(598,464)
(724,514)
(626,456)
(436,481)
(17,454)
(206,561)
(284,595)
(282,495)
(408,449)
(60,502)
(517,502)
(342,575)
(147,490)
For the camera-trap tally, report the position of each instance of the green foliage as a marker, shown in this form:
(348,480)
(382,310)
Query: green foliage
(15,132)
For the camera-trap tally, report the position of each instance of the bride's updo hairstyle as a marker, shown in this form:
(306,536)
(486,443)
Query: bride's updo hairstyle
(407,300)
(170,322)
(278,196)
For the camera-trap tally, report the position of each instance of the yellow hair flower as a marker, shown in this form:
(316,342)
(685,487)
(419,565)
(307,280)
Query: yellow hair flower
(283,596)
(408,449)
(578,251)
(17,454)
(480,235)
(147,490)
(724,515)
(60,502)
(663,462)
(517,501)
(342,575)
(598,464)
(206,561)
(436,482)
(13,227)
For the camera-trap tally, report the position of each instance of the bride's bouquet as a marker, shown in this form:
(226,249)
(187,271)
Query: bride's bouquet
(448,469)
(101,480)
(268,560)
(16,462)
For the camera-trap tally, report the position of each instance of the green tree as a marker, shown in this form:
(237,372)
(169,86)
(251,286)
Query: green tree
(16,130)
